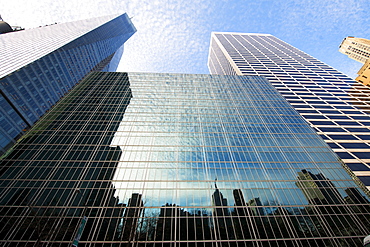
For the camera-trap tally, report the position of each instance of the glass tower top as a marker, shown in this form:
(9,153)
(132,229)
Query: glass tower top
(17,49)
(39,66)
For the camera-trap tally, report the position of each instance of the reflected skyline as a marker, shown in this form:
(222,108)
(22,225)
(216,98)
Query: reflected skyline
(247,220)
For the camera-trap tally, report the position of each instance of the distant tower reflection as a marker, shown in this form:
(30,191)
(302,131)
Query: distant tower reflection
(318,189)
(222,219)
(131,216)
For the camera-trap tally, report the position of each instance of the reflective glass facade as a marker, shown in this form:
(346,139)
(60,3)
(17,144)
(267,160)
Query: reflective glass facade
(39,66)
(177,160)
(336,106)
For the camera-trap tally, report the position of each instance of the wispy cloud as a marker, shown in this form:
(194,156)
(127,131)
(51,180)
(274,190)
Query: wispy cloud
(173,36)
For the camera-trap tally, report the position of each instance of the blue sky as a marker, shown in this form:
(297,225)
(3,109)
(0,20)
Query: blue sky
(173,36)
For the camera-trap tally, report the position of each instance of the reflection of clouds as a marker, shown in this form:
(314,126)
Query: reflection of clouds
(154,153)
(176,139)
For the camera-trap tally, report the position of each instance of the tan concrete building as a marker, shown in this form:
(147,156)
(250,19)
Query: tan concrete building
(356,48)
(364,74)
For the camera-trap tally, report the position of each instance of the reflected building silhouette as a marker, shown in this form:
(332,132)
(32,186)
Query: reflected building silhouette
(317,188)
(176,224)
(355,197)
(222,220)
(131,217)
(255,206)
(243,217)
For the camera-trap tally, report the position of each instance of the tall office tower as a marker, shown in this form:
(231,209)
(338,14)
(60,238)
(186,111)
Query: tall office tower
(356,48)
(336,106)
(364,74)
(177,160)
(38,66)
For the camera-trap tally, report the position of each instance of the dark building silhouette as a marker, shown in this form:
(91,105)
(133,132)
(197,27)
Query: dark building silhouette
(221,216)
(131,216)
(355,197)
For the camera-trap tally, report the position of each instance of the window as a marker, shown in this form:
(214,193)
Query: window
(315,117)
(358,167)
(361,117)
(347,123)
(344,155)
(324,137)
(365,180)
(307,111)
(329,112)
(338,117)
(354,145)
(322,123)
(324,129)
(344,107)
(364,137)
(358,129)
(343,137)
(333,145)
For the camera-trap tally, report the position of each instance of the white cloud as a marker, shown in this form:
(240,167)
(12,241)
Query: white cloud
(173,36)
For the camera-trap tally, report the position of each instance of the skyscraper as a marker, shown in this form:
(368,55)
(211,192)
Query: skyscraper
(336,106)
(364,74)
(359,50)
(356,48)
(172,159)
(39,66)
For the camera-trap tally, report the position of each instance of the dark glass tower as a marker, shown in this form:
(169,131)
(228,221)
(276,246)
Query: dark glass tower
(336,106)
(174,159)
(39,66)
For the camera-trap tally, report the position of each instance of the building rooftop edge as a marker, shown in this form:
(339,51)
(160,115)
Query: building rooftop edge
(259,34)
(178,73)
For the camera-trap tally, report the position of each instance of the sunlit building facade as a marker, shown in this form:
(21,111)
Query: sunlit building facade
(142,159)
(39,66)
(356,48)
(364,74)
(336,106)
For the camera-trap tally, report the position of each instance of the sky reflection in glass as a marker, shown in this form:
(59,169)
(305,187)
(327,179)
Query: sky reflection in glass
(182,135)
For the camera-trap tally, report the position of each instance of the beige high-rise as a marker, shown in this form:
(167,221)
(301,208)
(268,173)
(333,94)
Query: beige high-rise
(364,74)
(356,48)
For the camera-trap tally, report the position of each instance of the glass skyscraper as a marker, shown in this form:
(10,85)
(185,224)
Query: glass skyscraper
(141,159)
(39,66)
(336,106)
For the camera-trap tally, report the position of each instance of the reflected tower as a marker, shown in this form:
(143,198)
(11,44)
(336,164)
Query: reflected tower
(222,220)
(317,188)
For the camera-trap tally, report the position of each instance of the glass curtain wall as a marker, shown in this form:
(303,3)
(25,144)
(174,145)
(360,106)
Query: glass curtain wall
(178,160)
